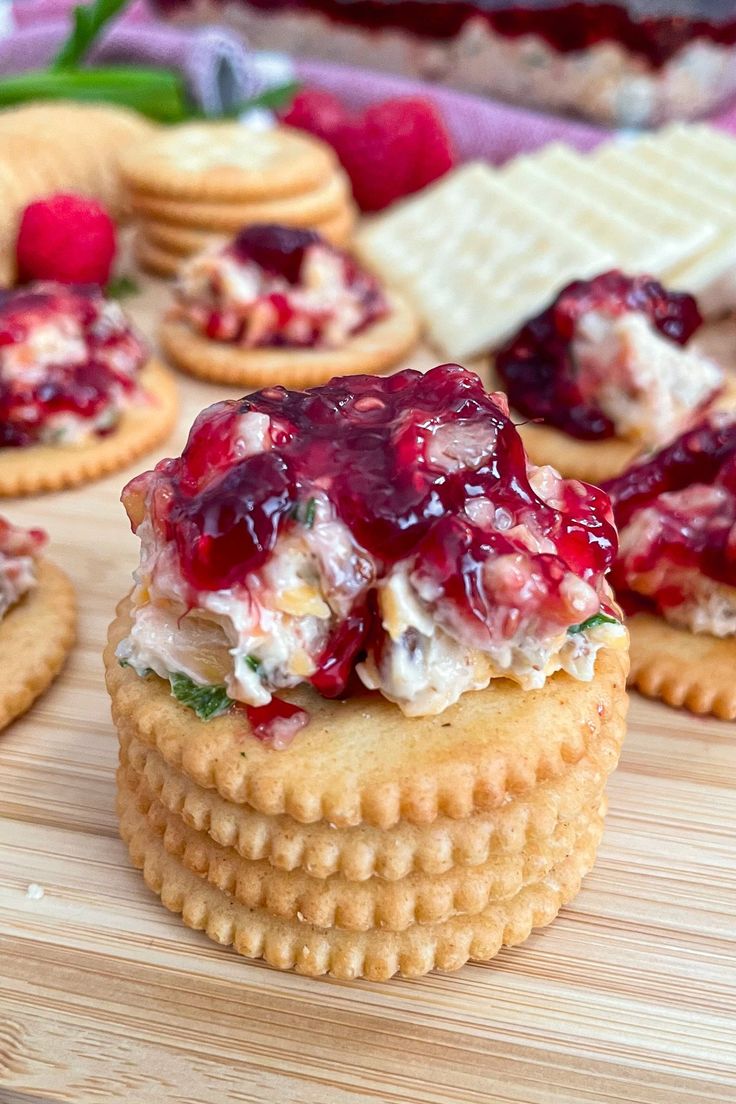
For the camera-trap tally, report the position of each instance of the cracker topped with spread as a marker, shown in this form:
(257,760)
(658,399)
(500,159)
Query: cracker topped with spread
(607,371)
(227,161)
(281,305)
(79,395)
(37,619)
(360,604)
(676,567)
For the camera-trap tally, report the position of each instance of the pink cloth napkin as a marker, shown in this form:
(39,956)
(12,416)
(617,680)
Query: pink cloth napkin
(487,129)
(218,66)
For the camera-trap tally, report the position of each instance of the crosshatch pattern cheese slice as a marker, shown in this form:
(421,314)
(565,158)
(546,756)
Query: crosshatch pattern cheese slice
(473,258)
(486,248)
(643,231)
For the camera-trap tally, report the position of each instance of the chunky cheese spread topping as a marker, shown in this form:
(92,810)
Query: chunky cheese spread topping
(610,358)
(389,527)
(278,286)
(69,365)
(677,518)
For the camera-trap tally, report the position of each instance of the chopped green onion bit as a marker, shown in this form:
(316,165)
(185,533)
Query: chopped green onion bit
(593,623)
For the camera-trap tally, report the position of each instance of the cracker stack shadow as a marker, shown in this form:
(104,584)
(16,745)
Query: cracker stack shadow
(200,183)
(370,847)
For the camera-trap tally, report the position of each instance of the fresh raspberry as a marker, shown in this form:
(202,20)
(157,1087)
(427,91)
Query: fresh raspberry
(393,149)
(68,238)
(315,111)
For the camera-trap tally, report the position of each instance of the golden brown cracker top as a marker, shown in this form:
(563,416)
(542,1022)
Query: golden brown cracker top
(224,160)
(364,851)
(359,760)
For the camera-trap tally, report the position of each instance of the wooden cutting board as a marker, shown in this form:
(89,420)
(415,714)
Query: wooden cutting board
(104,996)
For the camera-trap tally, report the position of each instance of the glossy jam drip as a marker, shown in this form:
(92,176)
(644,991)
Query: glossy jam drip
(403,460)
(537,366)
(276,723)
(694,530)
(32,393)
(566,27)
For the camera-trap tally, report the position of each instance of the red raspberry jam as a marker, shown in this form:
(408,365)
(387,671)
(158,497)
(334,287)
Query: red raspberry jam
(406,461)
(537,366)
(64,351)
(691,484)
(278,286)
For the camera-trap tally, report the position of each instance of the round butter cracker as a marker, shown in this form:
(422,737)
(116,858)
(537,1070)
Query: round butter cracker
(361,761)
(355,906)
(377,348)
(36,635)
(220,161)
(330,199)
(362,852)
(681,668)
(40,468)
(377,955)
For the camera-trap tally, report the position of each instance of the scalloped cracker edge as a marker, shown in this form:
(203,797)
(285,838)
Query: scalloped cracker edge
(36,636)
(684,669)
(323,203)
(224,161)
(377,955)
(363,852)
(357,906)
(360,761)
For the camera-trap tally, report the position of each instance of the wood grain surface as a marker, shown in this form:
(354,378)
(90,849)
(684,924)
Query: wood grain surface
(104,996)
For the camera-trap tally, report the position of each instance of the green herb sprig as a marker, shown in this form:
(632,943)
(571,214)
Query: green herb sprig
(158,93)
(206,701)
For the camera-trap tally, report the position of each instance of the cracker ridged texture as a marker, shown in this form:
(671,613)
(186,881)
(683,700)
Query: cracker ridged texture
(356,906)
(182,241)
(359,761)
(376,955)
(166,262)
(36,636)
(681,668)
(363,852)
(331,198)
(41,468)
(377,348)
(221,161)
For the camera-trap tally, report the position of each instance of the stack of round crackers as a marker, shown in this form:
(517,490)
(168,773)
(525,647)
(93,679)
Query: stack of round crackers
(202,182)
(374,844)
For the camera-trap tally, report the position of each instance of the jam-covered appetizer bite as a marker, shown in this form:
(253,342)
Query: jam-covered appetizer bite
(607,372)
(79,394)
(37,619)
(384,533)
(360,605)
(389,528)
(676,568)
(281,305)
